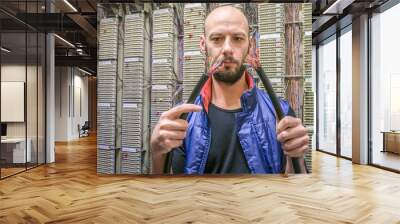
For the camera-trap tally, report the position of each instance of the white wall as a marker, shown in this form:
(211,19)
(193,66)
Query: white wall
(70,84)
(62,80)
(12,73)
(33,126)
(81,94)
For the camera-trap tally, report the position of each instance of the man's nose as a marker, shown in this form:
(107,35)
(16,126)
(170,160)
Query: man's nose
(227,47)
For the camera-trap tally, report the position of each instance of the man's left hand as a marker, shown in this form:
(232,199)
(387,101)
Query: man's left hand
(293,136)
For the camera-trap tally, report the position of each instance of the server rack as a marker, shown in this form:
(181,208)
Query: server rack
(272,44)
(194,60)
(165,74)
(308,106)
(106,95)
(134,84)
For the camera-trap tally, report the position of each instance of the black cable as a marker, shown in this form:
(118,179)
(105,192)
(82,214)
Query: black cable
(272,96)
(279,113)
(268,87)
(191,99)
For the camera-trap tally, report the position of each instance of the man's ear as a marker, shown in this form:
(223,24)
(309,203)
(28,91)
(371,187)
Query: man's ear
(202,43)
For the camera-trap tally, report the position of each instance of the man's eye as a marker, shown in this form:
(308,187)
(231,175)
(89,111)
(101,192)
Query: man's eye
(216,39)
(238,38)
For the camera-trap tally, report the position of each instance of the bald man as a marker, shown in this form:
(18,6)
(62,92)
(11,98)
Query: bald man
(231,127)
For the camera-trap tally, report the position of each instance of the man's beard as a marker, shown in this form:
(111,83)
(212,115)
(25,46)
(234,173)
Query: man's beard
(230,77)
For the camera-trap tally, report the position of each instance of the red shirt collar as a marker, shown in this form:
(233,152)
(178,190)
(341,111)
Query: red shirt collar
(206,91)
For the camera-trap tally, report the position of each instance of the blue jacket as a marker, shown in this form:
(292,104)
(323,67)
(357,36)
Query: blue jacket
(256,130)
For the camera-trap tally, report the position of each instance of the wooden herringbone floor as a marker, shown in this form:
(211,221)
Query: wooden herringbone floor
(70,191)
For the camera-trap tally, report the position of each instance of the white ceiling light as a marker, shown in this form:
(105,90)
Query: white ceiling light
(65,41)
(79,51)
(338,6)
(70,5)
(86,72)
(5,50)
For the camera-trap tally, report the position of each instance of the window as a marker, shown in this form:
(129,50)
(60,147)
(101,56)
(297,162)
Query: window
(346,92)
(327,95)
(385,87)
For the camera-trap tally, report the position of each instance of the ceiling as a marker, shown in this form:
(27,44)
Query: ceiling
(332,15)
(73,20)
(15,42)
(76,23)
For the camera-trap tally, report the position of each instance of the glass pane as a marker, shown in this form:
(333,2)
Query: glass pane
(31,100)
(32,94)
(22,67)
(41,99)
(13,87)
(346,94)
(327,96)
(386,89)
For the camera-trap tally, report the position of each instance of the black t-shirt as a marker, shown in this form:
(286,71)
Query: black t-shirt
(226,154)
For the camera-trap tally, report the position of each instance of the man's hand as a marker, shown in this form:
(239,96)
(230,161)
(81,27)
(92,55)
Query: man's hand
(170,130)
(293,136)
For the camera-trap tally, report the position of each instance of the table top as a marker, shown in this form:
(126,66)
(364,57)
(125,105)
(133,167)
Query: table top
(391,132)
(13,140)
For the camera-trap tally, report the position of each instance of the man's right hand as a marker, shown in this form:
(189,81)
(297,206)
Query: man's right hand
(170,129)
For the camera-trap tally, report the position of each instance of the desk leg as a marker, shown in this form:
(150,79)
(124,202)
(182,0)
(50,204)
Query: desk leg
(384,143)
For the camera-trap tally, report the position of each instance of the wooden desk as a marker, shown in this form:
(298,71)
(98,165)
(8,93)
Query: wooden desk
(13,150)
(391,141)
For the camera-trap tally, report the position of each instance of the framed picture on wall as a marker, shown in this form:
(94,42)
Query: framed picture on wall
(12,101)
